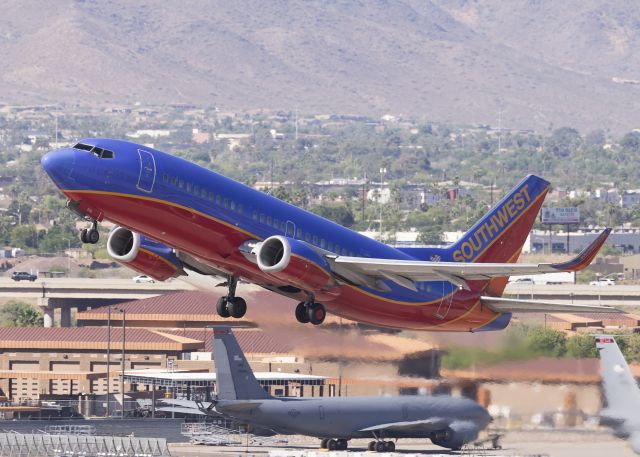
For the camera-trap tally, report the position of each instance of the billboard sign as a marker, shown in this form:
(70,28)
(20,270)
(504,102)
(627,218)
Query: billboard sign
(569,215)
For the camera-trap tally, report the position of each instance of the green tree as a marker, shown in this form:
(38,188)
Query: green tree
(339,214)
(547,342)
(20,314)
(582,346)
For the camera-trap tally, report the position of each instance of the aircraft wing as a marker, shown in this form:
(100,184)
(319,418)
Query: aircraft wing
(424,425)
(366,271)
(182,410)
(512,305)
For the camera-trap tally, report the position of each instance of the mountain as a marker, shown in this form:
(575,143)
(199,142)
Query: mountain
(534,64)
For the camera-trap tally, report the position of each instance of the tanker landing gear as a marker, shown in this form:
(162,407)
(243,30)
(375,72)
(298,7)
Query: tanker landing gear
(334,445)
(310,311)
(91,235)
(382,446)
(231,306)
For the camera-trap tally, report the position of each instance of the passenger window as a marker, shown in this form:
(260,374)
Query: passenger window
(269,220)
(262,218)
(181,185)
(322,243)
(174,180)
(226,202)
(165,177)
(330,246)
(210,196)
(276,223)
(344,251)
(218,199)
(307,237)
(203,193)
(196,189)
(254,215)
(240,208)
(189,187)
(337,251)
(315,240)
(233,205)
(283,226)
(299,234)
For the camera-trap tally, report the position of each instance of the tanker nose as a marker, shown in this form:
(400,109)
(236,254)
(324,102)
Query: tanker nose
(59,165)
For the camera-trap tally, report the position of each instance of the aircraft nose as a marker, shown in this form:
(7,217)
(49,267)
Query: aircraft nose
(59,165)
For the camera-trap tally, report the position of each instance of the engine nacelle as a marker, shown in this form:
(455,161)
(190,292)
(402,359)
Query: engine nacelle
(456,435)
(143,254)
(293,261)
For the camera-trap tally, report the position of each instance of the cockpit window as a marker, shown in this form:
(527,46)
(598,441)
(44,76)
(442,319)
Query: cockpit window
(84,147)
(101,153)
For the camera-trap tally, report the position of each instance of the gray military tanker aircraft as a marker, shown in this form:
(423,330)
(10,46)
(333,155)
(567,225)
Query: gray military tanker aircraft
(622,411)
(449,422)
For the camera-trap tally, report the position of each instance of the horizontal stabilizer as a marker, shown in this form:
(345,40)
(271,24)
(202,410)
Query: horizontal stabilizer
(425,425)
(512,305)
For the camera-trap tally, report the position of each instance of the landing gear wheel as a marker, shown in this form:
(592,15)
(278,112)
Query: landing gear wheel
(93,236)
(221,307)
(236,307)
(316,313)
(389,446)
(380,447)
(342,444)
(301,313)
(83,236)
(332,445)
(372,446)
(323,443)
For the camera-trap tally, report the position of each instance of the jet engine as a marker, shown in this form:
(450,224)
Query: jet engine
(456,435)
(143,254)
(293,261)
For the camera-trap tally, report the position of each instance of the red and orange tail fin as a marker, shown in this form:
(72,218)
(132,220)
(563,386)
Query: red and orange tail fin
(499,236)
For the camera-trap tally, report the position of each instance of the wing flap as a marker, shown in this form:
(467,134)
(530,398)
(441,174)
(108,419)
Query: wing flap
(512,305)
(426,425)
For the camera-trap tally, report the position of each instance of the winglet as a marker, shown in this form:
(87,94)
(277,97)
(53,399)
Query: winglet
(586,256)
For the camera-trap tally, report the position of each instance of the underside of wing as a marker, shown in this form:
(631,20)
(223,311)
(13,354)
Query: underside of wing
(512,305)
(425,425)
(405,272)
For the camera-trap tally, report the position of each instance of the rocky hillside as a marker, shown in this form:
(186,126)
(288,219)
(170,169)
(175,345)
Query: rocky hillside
(534,63)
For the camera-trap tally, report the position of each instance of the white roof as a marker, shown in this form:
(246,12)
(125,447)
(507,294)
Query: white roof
(183,376)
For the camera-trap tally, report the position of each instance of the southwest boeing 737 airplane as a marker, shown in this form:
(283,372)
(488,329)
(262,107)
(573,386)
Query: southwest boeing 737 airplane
(174,217)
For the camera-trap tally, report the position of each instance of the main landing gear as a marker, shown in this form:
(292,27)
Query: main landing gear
(91,235)
(231,306)
(310,311)
(334,445)
(382,446)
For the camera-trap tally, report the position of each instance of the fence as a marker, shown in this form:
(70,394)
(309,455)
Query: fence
(14,444)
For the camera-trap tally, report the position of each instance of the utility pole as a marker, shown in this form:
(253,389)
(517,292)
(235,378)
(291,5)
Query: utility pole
(108,360)
(382,172)
(124,342)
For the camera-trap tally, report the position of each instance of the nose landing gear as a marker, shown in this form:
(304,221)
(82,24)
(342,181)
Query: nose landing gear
(91,235)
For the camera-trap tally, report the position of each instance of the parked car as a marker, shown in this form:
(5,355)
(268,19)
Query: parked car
(603,282)
(23,276)
(143,278)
